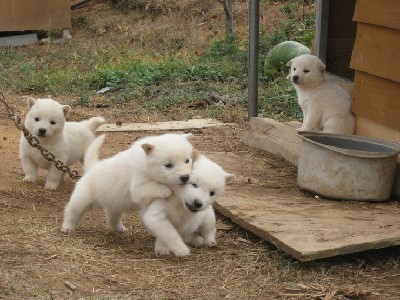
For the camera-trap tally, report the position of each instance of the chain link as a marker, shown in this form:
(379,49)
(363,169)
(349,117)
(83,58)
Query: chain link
(34,141)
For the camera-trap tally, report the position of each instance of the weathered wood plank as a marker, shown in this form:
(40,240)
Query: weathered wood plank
(173,125)
(305,227)
(20,15)
(376,51)
(368,89)
(274,137)
(384,12)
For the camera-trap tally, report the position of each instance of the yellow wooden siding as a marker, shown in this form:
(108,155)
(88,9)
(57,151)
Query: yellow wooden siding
(376,51)
(379,12)
(377,99)
(19,15)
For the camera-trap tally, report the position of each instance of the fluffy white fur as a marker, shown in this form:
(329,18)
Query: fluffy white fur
(130,179)
(188,216)
(68,141)
(325,106)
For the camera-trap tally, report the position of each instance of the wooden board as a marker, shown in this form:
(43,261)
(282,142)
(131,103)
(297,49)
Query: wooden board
(383,12)
(20,15)
(377,99)
(152,126)
(304,227)
(274,137)
(376,51)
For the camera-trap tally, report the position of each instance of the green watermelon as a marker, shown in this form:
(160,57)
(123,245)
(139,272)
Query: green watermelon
(283,52)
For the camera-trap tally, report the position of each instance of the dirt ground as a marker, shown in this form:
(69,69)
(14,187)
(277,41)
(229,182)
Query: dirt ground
(37,261)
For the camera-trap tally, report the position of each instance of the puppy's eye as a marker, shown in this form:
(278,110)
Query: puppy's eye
(212,193)
(306,71)
(169,166)
(194,185)
(52,122)
(294,69)
(37,119)
(187,160)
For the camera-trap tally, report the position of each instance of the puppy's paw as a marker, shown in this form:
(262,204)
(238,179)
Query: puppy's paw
(164,192)
(51,186)
(210,242)
(181,251)
(160,248)
(30,179)
(67,230)
(120,228)
(197,241)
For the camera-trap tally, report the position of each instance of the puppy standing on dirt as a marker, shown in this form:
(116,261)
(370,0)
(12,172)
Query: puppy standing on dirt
(188,216)
(130,179)
(68,141)
(325,106)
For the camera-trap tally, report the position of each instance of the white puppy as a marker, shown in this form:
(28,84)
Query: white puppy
(130,179)
(325,106)
(68,141)
(188,216)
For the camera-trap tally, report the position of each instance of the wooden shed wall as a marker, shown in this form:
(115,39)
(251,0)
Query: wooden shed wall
(20,15)
(375,59)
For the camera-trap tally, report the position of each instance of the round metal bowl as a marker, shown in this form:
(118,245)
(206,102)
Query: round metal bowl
(347,167)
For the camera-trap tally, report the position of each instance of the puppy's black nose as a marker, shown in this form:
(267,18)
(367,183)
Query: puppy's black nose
(197,204)
(42,131)
(184,178)
(295,78)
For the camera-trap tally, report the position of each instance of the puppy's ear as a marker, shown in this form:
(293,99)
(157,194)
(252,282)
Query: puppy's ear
(289,63)
(66,109)
(195,154)
(31,102)
(147,148)
(188,135)
(229,177)
(321,66)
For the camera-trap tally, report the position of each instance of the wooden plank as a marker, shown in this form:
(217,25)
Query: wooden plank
(376,51)
(274,137)
(377,99)
(384,12)
(173,125)
(20,15)
(303,226)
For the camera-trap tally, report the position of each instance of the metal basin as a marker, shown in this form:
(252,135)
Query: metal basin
(347,167)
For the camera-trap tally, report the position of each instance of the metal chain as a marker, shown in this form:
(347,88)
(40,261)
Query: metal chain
(34,141)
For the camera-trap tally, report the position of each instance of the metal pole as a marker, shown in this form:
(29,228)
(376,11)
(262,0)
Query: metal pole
(254,12)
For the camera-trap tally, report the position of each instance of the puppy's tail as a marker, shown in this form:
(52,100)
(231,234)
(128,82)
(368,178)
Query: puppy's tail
(95,122)
(92,153)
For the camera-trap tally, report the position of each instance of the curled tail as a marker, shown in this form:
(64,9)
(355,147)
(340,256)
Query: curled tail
(95,122)
(92,153)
